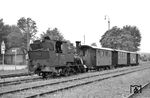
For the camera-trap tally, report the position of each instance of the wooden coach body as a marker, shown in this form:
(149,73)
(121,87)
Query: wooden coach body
(96,57)
(105,57)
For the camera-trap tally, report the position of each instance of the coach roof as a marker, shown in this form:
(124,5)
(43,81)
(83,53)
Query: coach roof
(94,47)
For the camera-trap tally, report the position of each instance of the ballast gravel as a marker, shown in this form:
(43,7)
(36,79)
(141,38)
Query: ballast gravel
(118,87)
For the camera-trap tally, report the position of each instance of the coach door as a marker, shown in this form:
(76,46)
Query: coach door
(114,58)
(128,58)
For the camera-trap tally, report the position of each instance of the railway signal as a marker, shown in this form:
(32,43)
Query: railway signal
(3,51)
(3,47)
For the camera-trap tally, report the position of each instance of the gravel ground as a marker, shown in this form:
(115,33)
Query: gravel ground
(118,87)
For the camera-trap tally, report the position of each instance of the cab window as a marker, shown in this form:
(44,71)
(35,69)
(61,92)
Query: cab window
(58,47)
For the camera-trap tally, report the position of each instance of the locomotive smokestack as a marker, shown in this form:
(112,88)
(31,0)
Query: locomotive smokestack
(78,44)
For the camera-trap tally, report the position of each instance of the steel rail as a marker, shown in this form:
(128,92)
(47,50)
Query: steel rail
(19,81)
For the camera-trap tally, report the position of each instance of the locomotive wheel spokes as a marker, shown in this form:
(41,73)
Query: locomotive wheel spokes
(72,71)
(65,72)
(69,71)
(44,75)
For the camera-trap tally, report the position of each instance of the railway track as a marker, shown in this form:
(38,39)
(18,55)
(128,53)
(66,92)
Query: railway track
(15,75)
(46,87)
(20,80)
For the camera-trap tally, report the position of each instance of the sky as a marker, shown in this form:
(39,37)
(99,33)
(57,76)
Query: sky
(76,18)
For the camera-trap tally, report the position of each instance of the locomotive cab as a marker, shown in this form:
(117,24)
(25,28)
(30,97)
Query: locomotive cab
(58,46)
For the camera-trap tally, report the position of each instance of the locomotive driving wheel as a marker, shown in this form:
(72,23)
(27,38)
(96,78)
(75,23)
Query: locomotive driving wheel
(66,71)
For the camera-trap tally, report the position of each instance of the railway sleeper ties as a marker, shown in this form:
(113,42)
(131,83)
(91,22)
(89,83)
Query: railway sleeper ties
(48,84)
(19,81)
(15,82)
(15,75)
(9,81)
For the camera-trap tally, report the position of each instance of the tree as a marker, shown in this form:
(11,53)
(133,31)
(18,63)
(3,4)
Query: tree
(111,39)
(53,34)
(4,31)
(1,30)
(136,36)
(15,37)
(128,38)
(29,29)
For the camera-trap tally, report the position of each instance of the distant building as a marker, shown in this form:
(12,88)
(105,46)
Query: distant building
(14,56)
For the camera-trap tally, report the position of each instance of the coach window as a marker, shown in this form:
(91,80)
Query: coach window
(119,55)
(101,53)
(106,53)
(58,46)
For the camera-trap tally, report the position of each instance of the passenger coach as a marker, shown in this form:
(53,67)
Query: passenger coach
(105,58)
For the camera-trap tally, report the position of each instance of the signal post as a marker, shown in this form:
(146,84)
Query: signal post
(3,52)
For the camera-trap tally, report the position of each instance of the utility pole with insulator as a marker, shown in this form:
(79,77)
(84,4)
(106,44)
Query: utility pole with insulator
(84,38)
(106,16)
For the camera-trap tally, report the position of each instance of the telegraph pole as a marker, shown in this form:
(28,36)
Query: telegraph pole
(107,17)
(84,38)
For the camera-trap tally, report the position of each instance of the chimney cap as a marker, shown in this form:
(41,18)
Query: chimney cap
(78,41)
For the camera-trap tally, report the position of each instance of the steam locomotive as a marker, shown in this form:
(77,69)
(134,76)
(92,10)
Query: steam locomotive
(54,58)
